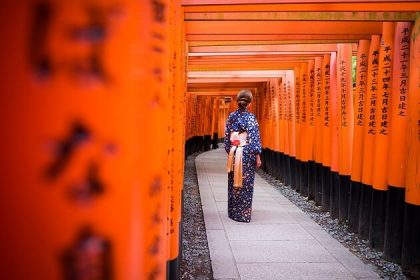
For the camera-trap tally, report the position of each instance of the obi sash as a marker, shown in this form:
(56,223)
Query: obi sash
(238,141)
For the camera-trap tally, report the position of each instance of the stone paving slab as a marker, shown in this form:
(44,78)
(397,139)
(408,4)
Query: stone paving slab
(281,242)
(293,271)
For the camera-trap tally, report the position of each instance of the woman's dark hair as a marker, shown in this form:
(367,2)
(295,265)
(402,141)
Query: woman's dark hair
(244,97)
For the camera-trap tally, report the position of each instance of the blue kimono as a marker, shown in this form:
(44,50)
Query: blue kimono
(240,199)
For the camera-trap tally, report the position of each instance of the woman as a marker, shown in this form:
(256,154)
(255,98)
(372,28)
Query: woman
(242,143)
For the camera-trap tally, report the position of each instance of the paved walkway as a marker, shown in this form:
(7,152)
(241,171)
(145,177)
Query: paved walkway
(281,242)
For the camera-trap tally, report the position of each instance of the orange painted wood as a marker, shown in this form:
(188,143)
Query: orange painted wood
(274,37)
(359,112)
(247,59)
(398,145)
(271,48)
(256,66)
(237,2)
(298,112)
(310,109)
(413,162)
(304,115)
(370,111)
(282,27)
(326,111)
(276,114)
(210,42)
(224,82)
(345,110)
(291,113)
(284,146)
(302,16)
(334,113)
(270,110)
(383,6)
(53,103)
(178,127)
(318,104)
(383,116)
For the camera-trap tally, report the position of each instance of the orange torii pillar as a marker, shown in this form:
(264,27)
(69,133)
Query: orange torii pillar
(193,116)
(189,124)
(291,141)
(215,123)
(359,125)
(275,92)
(311,103)
(178,141)
(222,119)
(263,124)
(273,140)
(207,122)
(326,132)
(283,128)
(304,133)
(297,127)
(300,125)
(201,114)
(335,122)
(279,88)
(397,153)
(369,137)
(411,237)
(380,155)
(77,198)
(284,131)
(272,131)
(319,91)
(346,125)
(265,127)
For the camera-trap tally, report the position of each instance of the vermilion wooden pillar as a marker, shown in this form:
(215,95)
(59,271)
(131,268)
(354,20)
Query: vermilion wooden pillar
(319,124)
(346,125)
(326,132)
(304,132)
(369,137)
(359,125)
(397,148)
(383,117)
(298,112)
(411,237)
(335,121)
(282,131)
(177,127)
(291,118)
(84,99)
(311,107)
(275,91)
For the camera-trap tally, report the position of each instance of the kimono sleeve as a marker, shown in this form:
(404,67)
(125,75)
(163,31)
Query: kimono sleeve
(228,129)
(254,136)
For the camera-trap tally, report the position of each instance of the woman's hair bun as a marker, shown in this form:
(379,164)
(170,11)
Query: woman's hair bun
(244,97)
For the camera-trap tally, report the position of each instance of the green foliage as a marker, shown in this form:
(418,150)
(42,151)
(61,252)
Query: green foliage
(353,68)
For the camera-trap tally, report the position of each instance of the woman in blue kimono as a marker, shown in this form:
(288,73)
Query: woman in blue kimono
(242,143)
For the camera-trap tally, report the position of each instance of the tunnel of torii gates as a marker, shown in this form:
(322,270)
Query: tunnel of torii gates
(101,102)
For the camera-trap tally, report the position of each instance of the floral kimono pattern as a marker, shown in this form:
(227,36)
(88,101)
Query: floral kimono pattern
(240,199)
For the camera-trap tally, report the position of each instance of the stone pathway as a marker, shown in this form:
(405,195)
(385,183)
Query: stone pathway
(281,242)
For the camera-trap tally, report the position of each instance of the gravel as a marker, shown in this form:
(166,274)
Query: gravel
(195,262)
(339,231)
